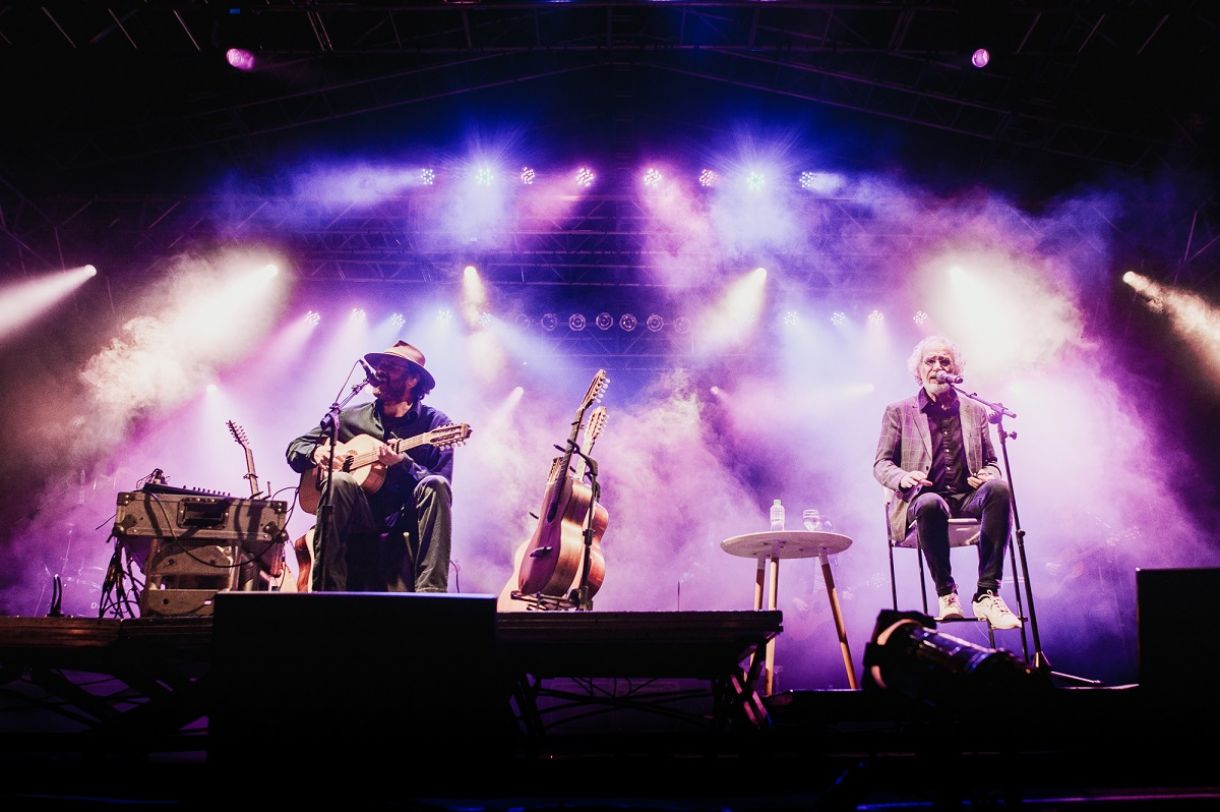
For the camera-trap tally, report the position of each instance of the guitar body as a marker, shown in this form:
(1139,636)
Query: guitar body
(303,547)
(553,557)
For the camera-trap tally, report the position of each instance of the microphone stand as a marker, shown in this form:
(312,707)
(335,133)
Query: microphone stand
(998,412)
(330,426)
(580,595)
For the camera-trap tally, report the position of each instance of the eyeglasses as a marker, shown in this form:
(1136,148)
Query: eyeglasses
(943,360)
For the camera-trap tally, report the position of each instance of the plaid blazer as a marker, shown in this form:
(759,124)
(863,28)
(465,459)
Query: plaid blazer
(906,445)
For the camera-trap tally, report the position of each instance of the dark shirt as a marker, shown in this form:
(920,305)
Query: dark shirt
(401,479)
(948,472)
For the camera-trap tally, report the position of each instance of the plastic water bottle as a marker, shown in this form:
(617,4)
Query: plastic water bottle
(777,516)
(811,519)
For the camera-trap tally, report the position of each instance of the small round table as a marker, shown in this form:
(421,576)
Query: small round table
(777,544)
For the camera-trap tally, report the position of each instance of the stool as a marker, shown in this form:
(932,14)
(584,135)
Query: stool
(776,544)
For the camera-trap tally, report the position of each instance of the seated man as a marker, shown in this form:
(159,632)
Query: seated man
(414,498)
(935,451)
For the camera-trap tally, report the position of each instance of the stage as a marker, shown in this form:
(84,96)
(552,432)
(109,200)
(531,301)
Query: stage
(632,709)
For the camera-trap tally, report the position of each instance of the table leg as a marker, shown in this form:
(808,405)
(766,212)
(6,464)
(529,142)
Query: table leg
(835,611)
(772,603)
(760,578)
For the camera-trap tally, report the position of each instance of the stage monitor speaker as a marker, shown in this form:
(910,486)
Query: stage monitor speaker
(1177,647)
(356,684)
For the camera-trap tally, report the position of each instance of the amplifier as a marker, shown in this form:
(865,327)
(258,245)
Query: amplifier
(191,545)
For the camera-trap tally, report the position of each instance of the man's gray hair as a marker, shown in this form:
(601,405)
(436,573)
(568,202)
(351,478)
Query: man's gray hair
(916,360)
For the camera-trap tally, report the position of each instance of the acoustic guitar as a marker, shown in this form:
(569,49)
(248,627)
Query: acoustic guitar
(358,457)
(550,563)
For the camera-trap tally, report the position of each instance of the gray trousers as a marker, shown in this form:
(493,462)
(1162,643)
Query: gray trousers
(364,554)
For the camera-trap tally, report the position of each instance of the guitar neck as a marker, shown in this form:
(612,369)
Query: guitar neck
(251,475)
(408,443)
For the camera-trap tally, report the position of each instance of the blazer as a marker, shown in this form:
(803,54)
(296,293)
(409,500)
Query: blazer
(906,445)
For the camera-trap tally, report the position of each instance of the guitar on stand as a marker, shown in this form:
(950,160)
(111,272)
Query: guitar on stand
(276,572)
(561,565)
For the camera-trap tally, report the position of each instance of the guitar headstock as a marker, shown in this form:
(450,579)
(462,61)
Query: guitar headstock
(239,434)
(453,434)
(596,391)
(597,423)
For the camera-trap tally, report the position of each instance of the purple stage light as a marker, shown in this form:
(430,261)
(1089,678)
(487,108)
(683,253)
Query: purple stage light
(628,322)
(707,178)
(980,58)
(549,321)
(755,181)
(313,317)
(523,321)
(791,319)
(483,176)
(528,175)
(652,177)
(604,321)
(876,318)
(240,58)
(577,322)
(654,323)
(920,317)
(398,320)
(838,318)
(427,177)
(585,177)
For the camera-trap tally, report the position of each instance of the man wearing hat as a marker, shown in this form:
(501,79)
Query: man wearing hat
(413,503)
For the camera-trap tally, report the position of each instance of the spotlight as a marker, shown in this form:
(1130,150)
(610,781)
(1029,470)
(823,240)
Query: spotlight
(838,318)
(807,180)
(398,320)
(549,321)
(876,318)
(312,318)
(652,177)
(523,321)
(682,325)
(358,314)
(483,176)
(584,177)
(755,181)
(908,655)
(920,317)
(212,389)
(654,323)
(707,178)
(628,322)
(91,270)
(791,319)
(980,58)
(444,315)
(577,322)
(240,58)
(528,175)
(427,177)
(604,321)
(484,319)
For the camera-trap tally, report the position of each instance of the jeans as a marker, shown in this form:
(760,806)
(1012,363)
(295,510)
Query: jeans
(991,504)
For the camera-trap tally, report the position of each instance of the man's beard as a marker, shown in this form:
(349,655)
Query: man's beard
(394,393)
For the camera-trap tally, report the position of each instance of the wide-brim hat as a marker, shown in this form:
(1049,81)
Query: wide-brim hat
(403,351)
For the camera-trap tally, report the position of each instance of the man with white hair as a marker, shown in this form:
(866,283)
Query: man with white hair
(935,452)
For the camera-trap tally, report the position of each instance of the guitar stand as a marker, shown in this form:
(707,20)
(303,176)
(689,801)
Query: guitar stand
(545,603)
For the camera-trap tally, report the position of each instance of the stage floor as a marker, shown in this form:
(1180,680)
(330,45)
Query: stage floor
(630,710)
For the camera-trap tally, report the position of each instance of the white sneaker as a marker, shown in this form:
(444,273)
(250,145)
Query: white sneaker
(950,607)
(991,607)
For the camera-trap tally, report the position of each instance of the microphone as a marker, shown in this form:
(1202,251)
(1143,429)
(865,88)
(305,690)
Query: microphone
(369,374)
(945,377)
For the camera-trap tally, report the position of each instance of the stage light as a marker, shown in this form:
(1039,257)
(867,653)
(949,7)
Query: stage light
(528,175)
(920,317)
(312,318)
(909,656)
(444,315)
(585,177)
(654,323)
(427,177)
(397,320)
(876,318)
(523,321)
(483,176)
(652,177)
(707,178)
(240,58)
(806,180)
(838,318)
(577,322)
(791,319)
(755,181)
(980,58)
(549,321)
(484,319)
(357,314)
(627,322)
(604,321)
(682,325)
(90,270)
(212,389)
